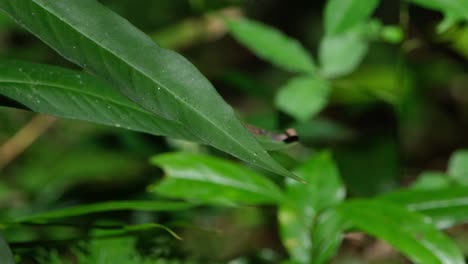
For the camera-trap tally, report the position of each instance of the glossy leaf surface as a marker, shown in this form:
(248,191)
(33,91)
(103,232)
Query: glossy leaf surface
(212,180)
(161,81)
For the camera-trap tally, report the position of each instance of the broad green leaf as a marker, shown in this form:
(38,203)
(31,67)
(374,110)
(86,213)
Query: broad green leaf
(212,180)
(77,95)
(456,8)
(161,81)
(446,206)
(49,89)
(341,54)
(303,203)
(272,45)
(409,232)
(431,180)
(303,97)
(458,166)
(342,15)
(105,207)
(6,256)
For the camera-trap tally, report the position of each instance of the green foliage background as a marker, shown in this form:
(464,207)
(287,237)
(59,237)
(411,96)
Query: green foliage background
(139,167)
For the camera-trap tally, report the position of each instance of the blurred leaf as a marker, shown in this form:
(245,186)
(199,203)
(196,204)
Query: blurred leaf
(458,166)
(341,54)
(105,207)
(272,45)
(342,15)
(6,256)
(431,180)
(161,81)
(446,206)
(327,236)
(303,202)
(50,175)
(212,180)
(303,97)
(409,232)
(456,8)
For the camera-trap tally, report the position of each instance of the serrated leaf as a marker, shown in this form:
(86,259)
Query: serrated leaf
(446,206)
(303,97)
(409,232)
(212,180)
(303,203)
(458,167)
(341,54)
(159,80)
(272,45)
(342,15)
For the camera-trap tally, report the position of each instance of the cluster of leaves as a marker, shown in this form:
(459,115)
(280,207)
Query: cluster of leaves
(130,82)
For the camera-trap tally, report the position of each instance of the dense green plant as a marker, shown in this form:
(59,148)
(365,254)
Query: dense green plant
(129,82)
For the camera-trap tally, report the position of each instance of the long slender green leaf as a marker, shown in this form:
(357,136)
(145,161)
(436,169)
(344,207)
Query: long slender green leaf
(303,203)
(159,80)
(446,206)
(272,45)
(106,207)
(212,180)
(76,95)
(409,232)
(342,15)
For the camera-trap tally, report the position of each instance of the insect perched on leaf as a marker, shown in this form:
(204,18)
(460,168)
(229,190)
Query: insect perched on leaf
(288,136)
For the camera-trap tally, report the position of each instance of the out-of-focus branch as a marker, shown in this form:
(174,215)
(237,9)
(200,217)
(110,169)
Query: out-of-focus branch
(196,30)
(26,136)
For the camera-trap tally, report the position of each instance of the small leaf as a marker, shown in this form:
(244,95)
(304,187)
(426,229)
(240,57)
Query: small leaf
(431,181)
(80,210)
(341,54)
(446,206)
(212,180)
(159,80)
(303,203)
(272,45)
(303,97)
(409,232)
(458,167)
(342,15)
